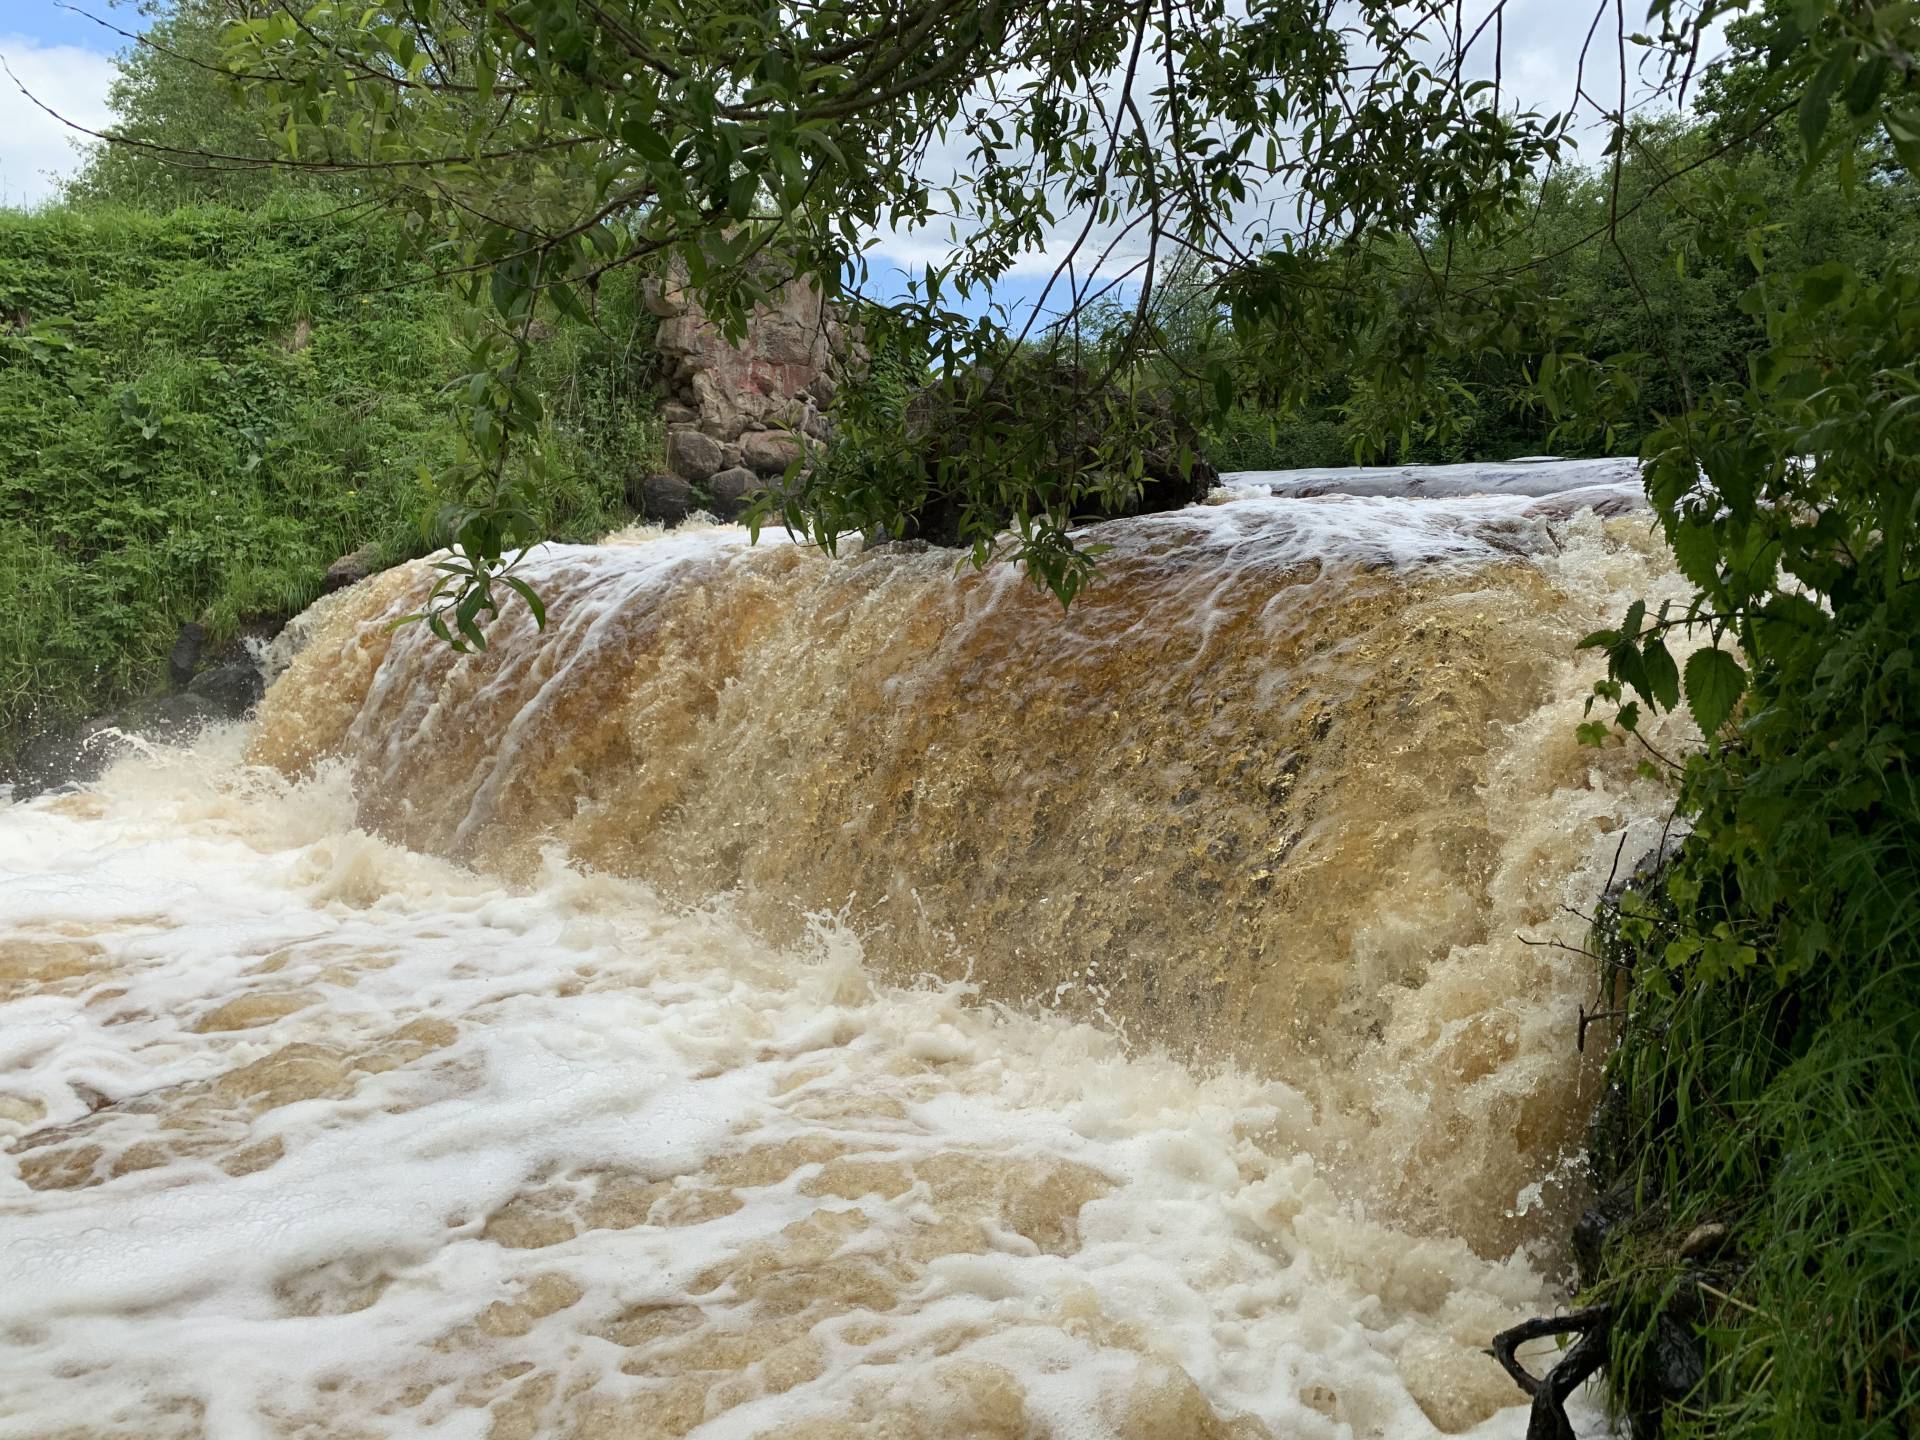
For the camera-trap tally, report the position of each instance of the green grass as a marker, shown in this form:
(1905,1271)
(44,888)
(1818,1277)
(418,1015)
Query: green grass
(1791,1116)
(199,411)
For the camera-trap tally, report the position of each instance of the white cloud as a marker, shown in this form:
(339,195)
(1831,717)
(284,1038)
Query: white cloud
(35,148)
(1542,68)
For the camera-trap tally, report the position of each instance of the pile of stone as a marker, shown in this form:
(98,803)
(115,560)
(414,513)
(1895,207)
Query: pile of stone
(739,415)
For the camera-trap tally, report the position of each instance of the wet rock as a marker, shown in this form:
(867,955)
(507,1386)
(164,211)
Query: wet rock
(252,634)
(235,688)
(769,452)
(73,755)
(1678,1364)
(350,569)
(1645,874)
(185,658)
(78,754)
(731,489)
(694,456)
(665,498)
(1606,1214)
(171,719)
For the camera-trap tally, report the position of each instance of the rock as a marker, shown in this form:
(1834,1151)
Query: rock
(1702,1239)
(73,755)
(185,658)
(235,688)
(787,340)
(251,636)
(666,299)
(694,456)
(1645,873)
(793,347)
(81,753)
(769,452)
(171,719)
(665,498)
(731,489)
(350,569)
(1678,1365)
(1607,1213)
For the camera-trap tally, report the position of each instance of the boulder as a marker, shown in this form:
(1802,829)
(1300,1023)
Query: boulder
(665,498)
(1679,1365)
(73,755)
(171,719)
(235,688)
(81,753)
(185,658)
(350,569)
(787,339)
(769,452)
(252,634)
(693,455)
(1605,1214)
(731,490)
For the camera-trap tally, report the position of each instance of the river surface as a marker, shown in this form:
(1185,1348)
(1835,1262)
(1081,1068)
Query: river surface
(812,998)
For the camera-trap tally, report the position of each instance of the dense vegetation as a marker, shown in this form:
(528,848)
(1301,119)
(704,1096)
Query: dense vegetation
(1766,1119)
(1663,293)
(1738,299)
(217,379)
(202,414)
(206,407)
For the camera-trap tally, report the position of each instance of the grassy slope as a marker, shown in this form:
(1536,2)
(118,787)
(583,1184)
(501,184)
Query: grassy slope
(199,411)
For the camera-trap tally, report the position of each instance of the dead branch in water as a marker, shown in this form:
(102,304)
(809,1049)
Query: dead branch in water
(1551,1391)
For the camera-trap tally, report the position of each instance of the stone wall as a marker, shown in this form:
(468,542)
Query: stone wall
(738,415)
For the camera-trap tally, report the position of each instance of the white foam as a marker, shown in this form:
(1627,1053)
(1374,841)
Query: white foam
(598,1031)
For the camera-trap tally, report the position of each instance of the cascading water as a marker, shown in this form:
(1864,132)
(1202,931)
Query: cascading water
(840,998)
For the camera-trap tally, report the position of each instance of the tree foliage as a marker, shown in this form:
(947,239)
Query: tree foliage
(203,409)
(541,143)
(172,101)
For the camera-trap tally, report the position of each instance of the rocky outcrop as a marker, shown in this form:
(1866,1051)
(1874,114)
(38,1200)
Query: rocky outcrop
(351,569)
(209,687)
(756,406)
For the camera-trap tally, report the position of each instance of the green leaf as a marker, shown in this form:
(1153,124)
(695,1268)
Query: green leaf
(1662,676)
(527,593)
(1816,101)
(1715,683)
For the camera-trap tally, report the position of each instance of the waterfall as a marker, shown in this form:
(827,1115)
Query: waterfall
(810,996)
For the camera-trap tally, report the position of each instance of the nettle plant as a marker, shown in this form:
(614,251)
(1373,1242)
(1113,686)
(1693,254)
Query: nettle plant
(1789,500)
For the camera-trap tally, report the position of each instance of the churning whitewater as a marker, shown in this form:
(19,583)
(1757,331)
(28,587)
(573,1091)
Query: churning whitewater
(815,998)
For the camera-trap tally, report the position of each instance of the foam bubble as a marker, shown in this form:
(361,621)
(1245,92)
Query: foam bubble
(432,1152)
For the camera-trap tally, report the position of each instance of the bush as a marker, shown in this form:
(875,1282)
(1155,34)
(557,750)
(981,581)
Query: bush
(1246,440)
(202,410)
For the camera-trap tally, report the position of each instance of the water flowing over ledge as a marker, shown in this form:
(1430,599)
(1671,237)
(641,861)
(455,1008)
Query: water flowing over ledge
(476,1058)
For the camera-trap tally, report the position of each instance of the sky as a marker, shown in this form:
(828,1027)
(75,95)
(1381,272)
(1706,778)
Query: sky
(65,59)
